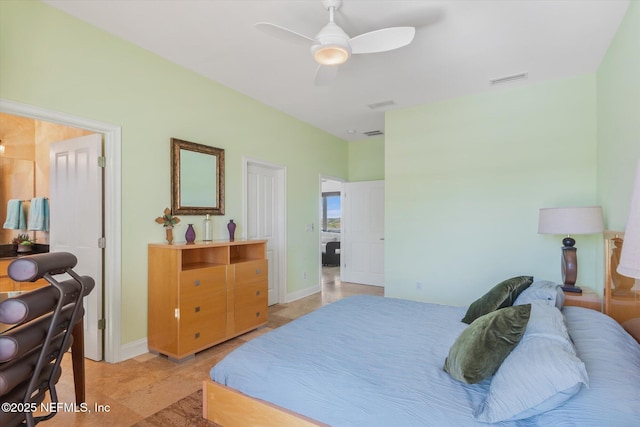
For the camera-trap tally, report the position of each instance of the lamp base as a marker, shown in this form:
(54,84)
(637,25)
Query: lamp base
(569,265)
(574,289)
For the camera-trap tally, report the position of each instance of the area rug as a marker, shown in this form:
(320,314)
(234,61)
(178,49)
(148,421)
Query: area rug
(185,412)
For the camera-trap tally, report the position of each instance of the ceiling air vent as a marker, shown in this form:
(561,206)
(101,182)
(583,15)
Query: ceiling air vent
(382,104)
(373,133)
(508,79)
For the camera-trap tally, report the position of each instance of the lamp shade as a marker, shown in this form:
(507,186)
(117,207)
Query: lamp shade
(630,257)
(571,220)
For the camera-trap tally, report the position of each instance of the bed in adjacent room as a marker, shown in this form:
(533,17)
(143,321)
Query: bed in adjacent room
(376,361)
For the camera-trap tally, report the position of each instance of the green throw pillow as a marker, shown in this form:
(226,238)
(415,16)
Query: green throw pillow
(501,295)
(480,349)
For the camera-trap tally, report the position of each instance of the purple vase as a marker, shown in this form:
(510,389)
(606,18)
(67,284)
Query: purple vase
(190,235)
(232,229)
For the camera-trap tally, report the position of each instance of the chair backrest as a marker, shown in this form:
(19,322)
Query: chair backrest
(31,350)
(332,246)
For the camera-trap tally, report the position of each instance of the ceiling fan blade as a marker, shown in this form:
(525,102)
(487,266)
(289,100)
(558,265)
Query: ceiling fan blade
(325,74)
(382,40)
(282,33)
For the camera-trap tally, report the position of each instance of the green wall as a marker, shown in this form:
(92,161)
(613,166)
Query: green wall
(618,80)
(54,61)
(465,180)
(366,159)
(480,167)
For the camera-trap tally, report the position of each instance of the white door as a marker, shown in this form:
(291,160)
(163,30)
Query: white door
(362,247)
(76,220)
(265,213)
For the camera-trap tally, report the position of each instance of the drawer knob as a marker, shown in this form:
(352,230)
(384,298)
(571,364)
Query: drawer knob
(257,271)
(257,292)
(257,314)
(197,309)
(197,282)
(197,335)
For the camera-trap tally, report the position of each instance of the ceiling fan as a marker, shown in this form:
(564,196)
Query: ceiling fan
(332,46)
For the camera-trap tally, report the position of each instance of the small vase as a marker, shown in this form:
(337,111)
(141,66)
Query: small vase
(232,229)
(190,235)
(169,232)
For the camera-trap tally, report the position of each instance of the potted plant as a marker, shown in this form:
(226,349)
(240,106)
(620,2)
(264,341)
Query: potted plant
(23,242)
(168,221)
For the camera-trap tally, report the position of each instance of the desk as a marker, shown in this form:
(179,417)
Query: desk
(77,352)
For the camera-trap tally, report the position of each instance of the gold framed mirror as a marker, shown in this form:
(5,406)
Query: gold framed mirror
(197,178)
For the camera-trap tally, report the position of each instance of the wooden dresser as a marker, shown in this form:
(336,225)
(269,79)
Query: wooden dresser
(201,294)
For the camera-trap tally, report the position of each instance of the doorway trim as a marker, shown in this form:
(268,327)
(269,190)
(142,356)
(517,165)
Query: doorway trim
(112,213)
(281,172)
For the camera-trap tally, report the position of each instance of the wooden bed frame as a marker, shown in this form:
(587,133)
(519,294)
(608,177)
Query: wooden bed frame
(621,302)
(230,408)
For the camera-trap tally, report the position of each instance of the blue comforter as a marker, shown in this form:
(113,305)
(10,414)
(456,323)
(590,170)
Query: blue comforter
(374,361)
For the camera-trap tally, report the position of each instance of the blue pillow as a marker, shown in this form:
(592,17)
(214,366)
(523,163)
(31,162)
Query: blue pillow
(541,373)
(543,290)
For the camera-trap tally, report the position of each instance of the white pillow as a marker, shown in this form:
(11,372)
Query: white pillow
(542,290)
(541,373)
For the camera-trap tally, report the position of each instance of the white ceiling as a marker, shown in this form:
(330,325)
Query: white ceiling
(459,46)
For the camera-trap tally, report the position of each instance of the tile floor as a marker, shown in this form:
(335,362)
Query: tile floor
(125,393)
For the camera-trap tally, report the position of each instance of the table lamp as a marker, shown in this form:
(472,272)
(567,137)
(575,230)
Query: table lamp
(630,257)
(570,221)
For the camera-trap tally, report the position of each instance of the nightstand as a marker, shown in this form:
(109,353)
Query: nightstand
(587,299)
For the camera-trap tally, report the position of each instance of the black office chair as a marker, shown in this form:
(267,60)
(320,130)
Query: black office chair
(331,255)
(32,349)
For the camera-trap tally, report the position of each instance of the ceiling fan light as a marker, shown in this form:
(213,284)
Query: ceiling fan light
(331,55)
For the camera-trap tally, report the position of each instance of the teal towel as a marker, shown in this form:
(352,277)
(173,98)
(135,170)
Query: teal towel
(39,214)
(15,215)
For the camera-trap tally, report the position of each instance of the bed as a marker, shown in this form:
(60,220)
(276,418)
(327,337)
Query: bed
(376,361)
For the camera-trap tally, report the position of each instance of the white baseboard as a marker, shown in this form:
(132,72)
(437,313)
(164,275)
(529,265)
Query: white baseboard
(294,296)
(133,349)
(136,348)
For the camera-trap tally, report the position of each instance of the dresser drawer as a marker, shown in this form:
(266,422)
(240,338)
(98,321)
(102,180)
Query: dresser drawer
(201,281)
(202,321)
(251,305)
(250,271)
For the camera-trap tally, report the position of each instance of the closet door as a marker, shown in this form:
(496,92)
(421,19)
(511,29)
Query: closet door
(265,220)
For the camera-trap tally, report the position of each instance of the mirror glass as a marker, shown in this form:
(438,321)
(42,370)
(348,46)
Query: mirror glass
(197,178)
(17,179)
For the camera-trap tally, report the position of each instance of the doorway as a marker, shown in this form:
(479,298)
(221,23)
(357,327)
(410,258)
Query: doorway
(330,230)
(112,216)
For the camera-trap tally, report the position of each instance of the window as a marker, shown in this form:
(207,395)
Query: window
(331,211)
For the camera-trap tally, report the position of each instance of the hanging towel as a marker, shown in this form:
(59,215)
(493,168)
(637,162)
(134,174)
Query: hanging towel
(39,214)
(15,215)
